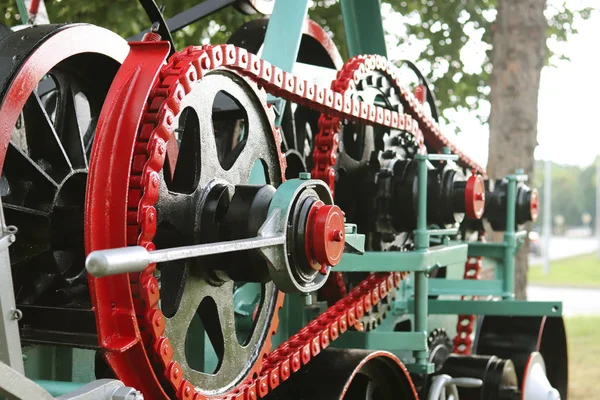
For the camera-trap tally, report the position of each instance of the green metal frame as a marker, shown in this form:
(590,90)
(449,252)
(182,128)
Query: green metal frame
(424,259)
(364,27)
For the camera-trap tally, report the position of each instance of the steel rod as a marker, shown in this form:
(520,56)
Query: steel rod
(136,258)
(179,253)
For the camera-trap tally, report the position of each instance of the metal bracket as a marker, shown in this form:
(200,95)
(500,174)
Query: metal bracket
(10,342)
(355,242)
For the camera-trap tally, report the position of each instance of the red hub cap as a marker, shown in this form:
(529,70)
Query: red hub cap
(325,234)
(534,204)
(475,196)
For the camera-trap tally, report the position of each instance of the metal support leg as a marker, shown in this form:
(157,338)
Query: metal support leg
(284,33)
(510,240)
(421,305)
(363,27)
(10,343)
(282,41)
(421,243)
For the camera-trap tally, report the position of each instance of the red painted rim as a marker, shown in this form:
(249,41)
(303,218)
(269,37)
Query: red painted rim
(106,215)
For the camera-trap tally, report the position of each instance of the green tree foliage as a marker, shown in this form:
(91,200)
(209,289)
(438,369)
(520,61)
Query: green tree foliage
(445,26)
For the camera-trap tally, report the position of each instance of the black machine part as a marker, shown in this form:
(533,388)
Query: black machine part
(498,375)
(196,13)
(496,201)
(4,31)
(348,374)
(517,337)
(446,185)
(440,347)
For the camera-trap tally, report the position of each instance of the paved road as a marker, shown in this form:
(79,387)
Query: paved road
(576,301)
(562,247)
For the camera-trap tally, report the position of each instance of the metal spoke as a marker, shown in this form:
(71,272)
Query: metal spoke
(27,217)
(42,139)
(18,167)
(68,124)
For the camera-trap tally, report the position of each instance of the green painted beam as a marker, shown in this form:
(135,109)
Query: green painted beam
(515,308)
(363,26)
(284,33)
(418,260)
(389,341)
(465,287)
(489,250)
(58,388)
(443,232)
(425,368)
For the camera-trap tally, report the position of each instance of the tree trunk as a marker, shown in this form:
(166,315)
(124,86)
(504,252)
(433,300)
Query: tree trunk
(518,55)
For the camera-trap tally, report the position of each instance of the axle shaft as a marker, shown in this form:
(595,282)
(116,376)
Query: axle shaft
(136,258)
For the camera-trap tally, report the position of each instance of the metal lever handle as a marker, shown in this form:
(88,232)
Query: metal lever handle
(136,258)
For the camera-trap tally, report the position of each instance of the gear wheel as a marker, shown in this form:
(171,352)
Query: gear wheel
(440,347)
(201,137)
(364,152)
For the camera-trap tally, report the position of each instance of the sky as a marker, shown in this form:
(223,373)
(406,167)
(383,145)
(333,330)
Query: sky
(569,97)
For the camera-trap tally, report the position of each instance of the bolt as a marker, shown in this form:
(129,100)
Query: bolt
(338,235)
(304,176)
(126,393)
(17,314)
(308,299)
(480,196)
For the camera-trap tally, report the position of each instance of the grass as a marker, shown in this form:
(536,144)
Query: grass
(579,271)
(584,349)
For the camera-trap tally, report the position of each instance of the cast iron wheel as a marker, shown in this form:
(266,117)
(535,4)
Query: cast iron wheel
(194,335)
(53,81)
(218,149)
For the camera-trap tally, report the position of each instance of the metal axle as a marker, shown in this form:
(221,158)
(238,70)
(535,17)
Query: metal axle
(136,258)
